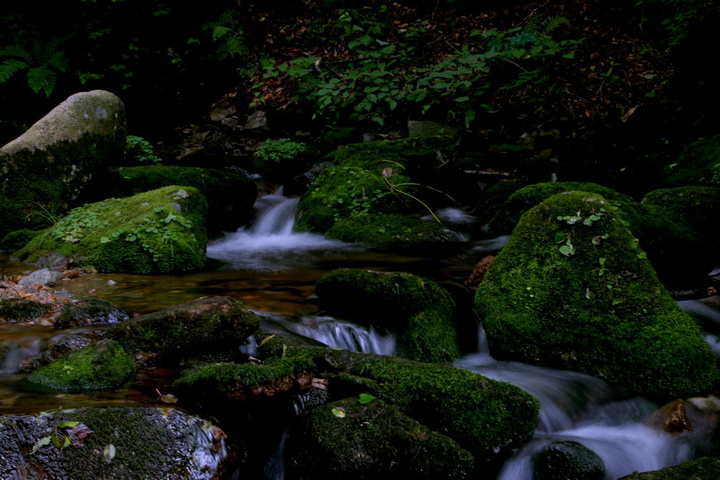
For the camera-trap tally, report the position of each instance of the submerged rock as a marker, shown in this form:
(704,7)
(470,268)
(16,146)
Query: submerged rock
(47,169)
(206,326)
(569,461)
(94,311)
(118,443)
(160,231)
(353,440)
(573,290)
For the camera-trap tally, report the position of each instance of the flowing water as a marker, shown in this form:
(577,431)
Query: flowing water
(273,271)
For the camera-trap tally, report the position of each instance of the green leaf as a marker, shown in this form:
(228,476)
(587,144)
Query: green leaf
(69,424)
(39,444)
(366,398)
(338,412)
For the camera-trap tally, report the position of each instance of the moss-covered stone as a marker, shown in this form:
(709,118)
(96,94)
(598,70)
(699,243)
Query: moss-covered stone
(573,290)
(391,231)
(47,169)
(99,366)
(230,195)
(94,311)
(697,164)
(371,177)
(203,326)
(161,231)
(21,310)
(418,309)
(118,443)
(705,468)
(17,239)
(370,440)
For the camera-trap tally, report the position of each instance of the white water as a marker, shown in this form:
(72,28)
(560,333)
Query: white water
(336,333)
(270,244)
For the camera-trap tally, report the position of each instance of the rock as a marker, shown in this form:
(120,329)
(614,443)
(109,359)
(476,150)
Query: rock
(569,461)
(59,346)
(697,164)
(101,365)
(573,290)
(44,276)
(256,121)
(350,440)
(54,164)
(89,312)
(160,231)
(119,443)
(14,310)
(424,128)
(206,326)
(230,195)
(417,309)
(705,468)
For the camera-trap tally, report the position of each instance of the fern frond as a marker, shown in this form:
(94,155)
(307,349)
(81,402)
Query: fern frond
(41,78)
(58,61)
(10,67)
(16,51)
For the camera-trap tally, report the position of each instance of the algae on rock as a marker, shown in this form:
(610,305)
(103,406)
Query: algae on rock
(573,290)
(160,231)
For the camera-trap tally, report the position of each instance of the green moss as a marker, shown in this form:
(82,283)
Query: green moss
(371,438)
(160,231)
(230,196)
(17,239)
(573,290)
(705,468)
(391,231)
(99,366)
(417,308)
(21,309)
(697,164)
(206,325)
(486,417)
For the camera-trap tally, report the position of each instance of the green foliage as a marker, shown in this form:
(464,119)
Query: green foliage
(676,17)
(277,151)
(227,35)
(42,60)
(140,150)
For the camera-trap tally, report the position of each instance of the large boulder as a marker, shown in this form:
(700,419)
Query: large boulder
(417,309)
(160,231)
(50,167)
(206,326)
(121,443)
(573,290)
(230,195)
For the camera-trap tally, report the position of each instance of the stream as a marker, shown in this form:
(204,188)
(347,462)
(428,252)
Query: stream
(273,271)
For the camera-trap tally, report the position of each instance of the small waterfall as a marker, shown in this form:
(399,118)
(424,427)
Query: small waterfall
(270,244)
(346,335)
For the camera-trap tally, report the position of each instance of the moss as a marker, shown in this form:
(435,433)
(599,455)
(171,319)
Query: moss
(88,312)
(417,308)
(486,417)
(161,231)
(230,196)
(371,438)
(573,290)
(205,325)
(21,309)
(697,164)
(391,231)
(17,239)
(99,366)
(705,468)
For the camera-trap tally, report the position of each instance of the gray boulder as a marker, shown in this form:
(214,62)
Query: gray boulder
(48,168)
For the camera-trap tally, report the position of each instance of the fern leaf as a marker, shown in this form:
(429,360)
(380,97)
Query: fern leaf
(16,51)
(9,68)
(58,61)
(41,78)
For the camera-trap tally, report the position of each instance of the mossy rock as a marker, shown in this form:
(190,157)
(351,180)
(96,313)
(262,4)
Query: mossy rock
(114,442)
(372,177)
(58,160)
(573,290)
(93,311)
(392,232)
(419,310)
(697,164)
(486,417)
(230,195)
(17,239)
(99,366)
(21,310)
(160,231)
(204,326)
(705,468)
(351,440)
